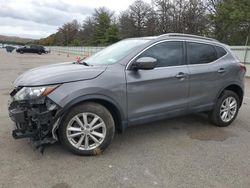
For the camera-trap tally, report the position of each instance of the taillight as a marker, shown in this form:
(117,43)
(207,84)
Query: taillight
(243,67)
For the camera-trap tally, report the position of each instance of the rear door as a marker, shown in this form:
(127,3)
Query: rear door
(205,75)
(163,90)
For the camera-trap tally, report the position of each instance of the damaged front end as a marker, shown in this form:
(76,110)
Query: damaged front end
(35,115)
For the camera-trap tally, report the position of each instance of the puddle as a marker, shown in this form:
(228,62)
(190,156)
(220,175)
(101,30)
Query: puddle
(210,133)
(199,128)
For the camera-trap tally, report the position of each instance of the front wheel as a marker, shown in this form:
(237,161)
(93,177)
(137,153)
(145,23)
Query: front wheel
(226,109)
(87,129)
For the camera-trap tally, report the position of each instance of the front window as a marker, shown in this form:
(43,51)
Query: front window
(166,53)
(114,53)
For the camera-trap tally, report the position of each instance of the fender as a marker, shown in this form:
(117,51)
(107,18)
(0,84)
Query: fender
(83,98)
(93,97)
(62,111)
(228,84)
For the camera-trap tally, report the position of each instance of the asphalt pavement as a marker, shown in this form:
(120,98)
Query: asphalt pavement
(180,152)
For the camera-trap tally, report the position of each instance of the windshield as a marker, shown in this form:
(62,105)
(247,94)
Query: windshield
(112,54)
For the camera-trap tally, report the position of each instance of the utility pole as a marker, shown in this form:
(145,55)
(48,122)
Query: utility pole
(246,47)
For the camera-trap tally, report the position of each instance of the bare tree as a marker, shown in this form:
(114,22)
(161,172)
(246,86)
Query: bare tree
(139,12)
(152,23)
(195,17)
(212,5)
(138,20)
(126,25)
(68,32)
(87,30)
(163,8)
(181,16)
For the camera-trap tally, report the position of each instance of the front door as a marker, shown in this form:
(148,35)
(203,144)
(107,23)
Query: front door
(162,91)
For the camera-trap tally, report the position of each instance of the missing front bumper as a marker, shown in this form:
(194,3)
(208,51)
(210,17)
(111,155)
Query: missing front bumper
(35,120)
(17,134)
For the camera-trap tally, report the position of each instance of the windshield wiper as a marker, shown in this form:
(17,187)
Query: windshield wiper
(82,63)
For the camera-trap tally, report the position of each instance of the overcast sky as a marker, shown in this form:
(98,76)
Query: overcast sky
(40,18)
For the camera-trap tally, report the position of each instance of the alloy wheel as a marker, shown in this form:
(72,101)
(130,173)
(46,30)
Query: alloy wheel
(86,131)
(228,109)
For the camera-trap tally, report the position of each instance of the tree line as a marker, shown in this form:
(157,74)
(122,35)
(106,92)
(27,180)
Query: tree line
(225,20)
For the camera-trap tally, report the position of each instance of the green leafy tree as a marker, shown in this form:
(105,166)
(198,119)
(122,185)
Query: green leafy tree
(226,20)
(111,35)
(75,42)
(232,21)
(105,32)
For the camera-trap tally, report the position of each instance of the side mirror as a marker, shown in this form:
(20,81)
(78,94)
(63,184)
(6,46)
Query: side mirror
(144,63)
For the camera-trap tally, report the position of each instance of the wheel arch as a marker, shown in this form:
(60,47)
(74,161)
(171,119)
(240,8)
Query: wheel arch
(235,88)
(113,107)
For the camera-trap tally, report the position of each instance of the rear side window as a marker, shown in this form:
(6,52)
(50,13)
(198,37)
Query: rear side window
(199,53)
(220,51)
(167,53)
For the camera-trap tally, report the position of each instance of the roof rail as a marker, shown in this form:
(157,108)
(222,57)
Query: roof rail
(186,35)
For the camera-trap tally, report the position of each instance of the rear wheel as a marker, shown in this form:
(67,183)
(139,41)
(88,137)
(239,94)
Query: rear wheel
(226,109)
(87,129)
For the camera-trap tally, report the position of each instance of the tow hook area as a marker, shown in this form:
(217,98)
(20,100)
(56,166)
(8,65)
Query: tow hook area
(17,134)
(35,119)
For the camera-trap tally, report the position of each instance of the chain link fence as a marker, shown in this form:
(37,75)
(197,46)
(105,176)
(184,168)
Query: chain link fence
(242,52)
(83,51)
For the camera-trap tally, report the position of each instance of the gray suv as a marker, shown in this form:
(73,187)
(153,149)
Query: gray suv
(131,82)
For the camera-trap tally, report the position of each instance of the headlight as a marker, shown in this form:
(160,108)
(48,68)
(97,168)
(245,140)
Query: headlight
(28,93)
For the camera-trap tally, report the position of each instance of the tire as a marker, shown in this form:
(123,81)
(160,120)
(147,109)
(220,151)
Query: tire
(21,52)
(217,114)
(39,53)
(76,144)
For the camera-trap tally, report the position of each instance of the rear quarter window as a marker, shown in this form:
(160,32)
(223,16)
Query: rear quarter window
(220,51)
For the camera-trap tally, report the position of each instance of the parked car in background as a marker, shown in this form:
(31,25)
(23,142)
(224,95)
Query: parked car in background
(47,50)
(131,82)
(10,48)
(31,49)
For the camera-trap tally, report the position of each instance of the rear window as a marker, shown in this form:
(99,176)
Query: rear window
(199,53)
(220,51)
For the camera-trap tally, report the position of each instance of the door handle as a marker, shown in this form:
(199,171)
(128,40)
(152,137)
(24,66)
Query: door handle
(221,70)
(181,75)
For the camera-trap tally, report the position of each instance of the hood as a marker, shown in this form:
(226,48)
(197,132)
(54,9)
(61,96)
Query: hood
(58,73)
